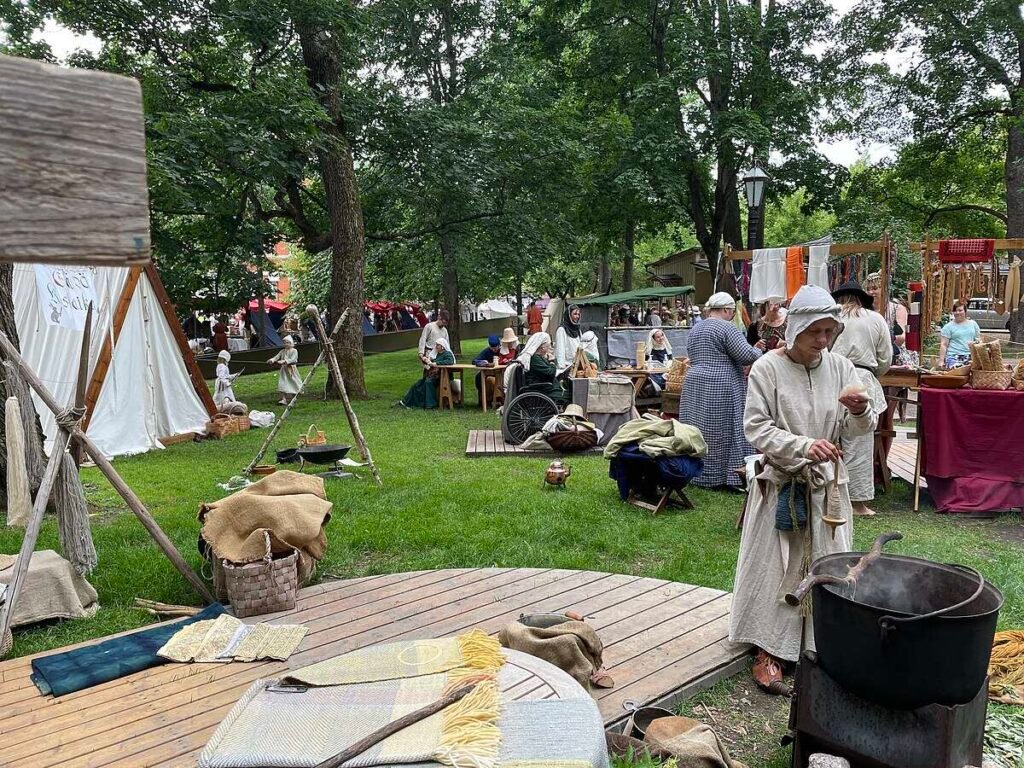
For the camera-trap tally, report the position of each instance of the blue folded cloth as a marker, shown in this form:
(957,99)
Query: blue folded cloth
(117,657)
(783,513)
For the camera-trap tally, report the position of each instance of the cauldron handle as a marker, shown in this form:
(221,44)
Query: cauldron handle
(888,623)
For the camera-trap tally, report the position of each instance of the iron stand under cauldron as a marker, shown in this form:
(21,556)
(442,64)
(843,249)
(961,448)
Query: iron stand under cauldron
(825,717)
(329,455)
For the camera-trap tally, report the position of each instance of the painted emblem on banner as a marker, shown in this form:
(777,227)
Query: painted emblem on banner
(65,294)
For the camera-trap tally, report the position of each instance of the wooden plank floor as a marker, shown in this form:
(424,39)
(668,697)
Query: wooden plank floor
(661,640)
(489,442)
(902,459)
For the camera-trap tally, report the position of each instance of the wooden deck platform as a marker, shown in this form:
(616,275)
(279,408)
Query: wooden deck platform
(663,641)
(902,459)
(489,442)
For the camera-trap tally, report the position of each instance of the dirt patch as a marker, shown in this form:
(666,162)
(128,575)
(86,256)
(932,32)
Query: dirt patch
(749,721)
(1006,527)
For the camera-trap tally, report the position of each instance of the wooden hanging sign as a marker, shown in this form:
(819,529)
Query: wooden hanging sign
(72,166)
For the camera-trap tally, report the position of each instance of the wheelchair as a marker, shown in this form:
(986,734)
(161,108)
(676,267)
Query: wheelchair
(524,412)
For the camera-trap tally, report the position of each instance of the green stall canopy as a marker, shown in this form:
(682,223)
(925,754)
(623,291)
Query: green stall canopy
(643,294)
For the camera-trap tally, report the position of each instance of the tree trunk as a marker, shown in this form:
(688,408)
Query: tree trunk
(1014,175)
(67,500)
(450,291)
(519,303)
(627,255)
(604,274)
(337,169)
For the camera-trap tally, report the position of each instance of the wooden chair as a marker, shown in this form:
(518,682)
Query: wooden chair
(681,500)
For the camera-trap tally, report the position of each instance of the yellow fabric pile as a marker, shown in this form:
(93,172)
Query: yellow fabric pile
(1006,668)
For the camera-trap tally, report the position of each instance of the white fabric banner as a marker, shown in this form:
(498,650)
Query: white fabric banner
(65,294)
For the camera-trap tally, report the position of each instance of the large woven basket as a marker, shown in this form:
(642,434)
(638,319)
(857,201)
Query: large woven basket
(573,440)
(263,587)
(222,425)
(991,379)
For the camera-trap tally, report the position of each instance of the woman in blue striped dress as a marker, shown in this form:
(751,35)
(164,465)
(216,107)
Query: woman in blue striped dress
(715,391)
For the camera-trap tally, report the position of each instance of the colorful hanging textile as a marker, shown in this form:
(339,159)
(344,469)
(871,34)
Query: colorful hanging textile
(795,277)
(959,251)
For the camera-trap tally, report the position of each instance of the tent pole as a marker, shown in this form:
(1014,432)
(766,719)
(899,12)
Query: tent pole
(332,360)
(101,461)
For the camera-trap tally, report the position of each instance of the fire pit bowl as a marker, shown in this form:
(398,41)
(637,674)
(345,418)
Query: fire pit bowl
(911,633)
(323,454)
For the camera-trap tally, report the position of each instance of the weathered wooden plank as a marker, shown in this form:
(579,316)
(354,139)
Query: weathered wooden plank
(73,166)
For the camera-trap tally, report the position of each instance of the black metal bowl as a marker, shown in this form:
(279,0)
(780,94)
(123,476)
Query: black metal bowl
(323,454)
(288,456)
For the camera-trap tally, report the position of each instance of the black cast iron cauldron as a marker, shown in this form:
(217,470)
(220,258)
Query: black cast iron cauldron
(910,632)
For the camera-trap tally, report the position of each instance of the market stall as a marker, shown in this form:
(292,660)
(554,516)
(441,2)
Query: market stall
(617,344)
(972,453)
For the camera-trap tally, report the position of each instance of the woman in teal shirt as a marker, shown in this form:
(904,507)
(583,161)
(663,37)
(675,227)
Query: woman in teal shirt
(956,335)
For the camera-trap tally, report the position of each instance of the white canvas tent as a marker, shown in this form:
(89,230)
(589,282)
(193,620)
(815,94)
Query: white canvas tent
(495,308)
(144,385)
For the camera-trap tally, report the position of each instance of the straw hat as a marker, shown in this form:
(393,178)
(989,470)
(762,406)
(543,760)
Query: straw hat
(508,336)
(6,561)
(574,410)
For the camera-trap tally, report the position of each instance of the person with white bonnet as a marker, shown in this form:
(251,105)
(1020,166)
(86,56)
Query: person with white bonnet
(802,400)
(223,391)
(714,391)
(288,381)
(659,356)
(570,337)
(423,393)
(539,374)
(867,343)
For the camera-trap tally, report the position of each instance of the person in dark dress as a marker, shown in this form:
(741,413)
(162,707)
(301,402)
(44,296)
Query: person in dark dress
(220,336)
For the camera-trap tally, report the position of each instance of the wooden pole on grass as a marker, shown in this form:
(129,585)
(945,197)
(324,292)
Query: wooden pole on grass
(288,409)
(332,360)
(60,445)
(101,461)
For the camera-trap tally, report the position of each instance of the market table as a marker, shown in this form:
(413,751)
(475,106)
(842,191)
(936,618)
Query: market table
(444,391)
(972,451)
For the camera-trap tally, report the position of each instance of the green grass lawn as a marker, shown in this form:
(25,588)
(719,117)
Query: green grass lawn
(439,509)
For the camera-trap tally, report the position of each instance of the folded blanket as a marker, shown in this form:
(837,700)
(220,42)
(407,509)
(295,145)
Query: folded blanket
(658,437)
(118,657)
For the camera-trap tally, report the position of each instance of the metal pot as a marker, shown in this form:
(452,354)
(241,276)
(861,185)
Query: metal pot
(909,632)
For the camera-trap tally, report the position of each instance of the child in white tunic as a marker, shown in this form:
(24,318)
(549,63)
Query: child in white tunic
(223,393)
(288,381)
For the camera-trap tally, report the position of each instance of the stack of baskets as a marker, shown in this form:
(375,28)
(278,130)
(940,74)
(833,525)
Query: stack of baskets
(988,370)
(223,425)
(676,375)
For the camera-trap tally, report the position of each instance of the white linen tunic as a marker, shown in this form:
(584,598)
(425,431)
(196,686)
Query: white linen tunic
(788,407)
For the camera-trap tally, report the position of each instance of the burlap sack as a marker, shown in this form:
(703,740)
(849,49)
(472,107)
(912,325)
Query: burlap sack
(691,742)
(572,646)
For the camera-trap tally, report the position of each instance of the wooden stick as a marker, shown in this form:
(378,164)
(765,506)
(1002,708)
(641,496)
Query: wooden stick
(332,360)
(101,461)
(295,398)
(394,727)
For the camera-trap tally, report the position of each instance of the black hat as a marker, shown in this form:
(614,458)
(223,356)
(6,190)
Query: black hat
(853,287)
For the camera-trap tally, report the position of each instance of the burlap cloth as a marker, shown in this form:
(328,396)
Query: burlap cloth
(691,742)
(291,507)
(572,646)
(52,590)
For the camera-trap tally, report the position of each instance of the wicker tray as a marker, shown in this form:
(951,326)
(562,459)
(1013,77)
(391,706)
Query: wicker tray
(943,381)
(991,379)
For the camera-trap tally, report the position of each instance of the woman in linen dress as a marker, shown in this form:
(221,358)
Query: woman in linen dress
(288,381)
(796,413)
(715,389)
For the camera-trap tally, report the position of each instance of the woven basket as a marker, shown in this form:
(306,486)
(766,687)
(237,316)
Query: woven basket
(222,425)
(573,440)
(266,586)
(313,436)
(991,379)
(243,423)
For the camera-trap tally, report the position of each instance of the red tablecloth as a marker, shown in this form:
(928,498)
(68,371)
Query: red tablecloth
(973,449)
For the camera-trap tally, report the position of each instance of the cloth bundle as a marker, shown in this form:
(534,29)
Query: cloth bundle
(634,472)
(291,507)
(344,699)
(229,639)
(53,589)
(658,437)
(572,646)
(692,743)
(233,408)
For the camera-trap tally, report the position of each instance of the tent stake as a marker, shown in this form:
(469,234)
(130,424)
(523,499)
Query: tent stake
(327,347)
(101,461)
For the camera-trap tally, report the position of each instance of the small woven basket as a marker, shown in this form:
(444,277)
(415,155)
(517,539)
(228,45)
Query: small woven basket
(313,436)
(243,423)
(573,440)
(266,586)
(991,379)
(222,425)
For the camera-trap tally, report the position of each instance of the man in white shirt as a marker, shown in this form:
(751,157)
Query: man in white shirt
(431,333)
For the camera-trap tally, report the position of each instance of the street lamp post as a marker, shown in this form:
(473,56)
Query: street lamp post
(754,182)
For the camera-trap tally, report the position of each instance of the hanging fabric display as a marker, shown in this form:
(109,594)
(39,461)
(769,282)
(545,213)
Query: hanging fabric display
(817,265)
(794,270)
(768,275)
(961,251)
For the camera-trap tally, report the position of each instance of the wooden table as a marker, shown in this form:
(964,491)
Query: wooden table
(444,392)
(638,375)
